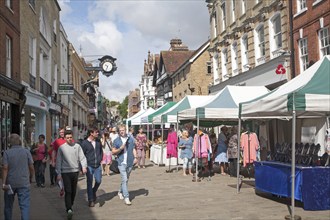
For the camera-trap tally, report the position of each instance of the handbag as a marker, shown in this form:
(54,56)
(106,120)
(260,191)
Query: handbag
(114,166)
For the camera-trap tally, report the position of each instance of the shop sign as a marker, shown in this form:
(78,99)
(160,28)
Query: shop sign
(65,89)
(55,107)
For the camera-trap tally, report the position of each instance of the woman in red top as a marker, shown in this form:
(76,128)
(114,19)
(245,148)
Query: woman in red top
(40,158)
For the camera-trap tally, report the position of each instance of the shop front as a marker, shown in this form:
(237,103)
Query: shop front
(35,116)
(54,115)
(12,99)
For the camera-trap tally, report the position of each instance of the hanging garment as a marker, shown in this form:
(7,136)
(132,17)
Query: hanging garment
(172,144)
(203,144)
(249,140)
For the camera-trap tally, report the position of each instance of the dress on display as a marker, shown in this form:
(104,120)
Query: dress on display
(249,145)
(171,146)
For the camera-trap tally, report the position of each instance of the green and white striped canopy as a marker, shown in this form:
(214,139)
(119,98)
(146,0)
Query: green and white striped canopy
(308,94)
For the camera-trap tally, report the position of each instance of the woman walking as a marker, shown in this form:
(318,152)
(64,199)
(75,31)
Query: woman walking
(186,144)
(141,144)
(39,150)
(107,155)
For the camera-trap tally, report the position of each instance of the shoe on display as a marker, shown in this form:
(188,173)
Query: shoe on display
(127,202)
(120,195)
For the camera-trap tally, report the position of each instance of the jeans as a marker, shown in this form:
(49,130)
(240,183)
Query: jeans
(97,173)
(52,174)
(39,168)
(124,174)
(186,163)
(70,181)
(23,194)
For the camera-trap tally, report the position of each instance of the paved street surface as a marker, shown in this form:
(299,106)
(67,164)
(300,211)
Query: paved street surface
(159,195)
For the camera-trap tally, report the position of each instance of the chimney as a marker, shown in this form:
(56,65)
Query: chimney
(176,45)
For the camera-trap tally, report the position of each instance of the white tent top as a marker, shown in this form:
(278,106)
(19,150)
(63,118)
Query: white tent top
(190,101)
(308,93)
(224,105)
(128,120)
(137,119)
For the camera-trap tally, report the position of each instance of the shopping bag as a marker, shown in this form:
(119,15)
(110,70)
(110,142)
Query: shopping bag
(114,166)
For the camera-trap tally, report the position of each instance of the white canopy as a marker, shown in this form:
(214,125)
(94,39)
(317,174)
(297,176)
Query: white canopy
(224,105)
(190,101)
(137,119)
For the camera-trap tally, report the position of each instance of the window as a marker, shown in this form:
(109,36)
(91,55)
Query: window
(260,44)
(275,33)
(215,61)
(54,30)
(32,56)
(233,7)
(234,60)
(32,3)
(224,61)
(223,10)
(209,67)
(214,25)
(9,3)
(301,5)
(243,6)
(244,53)
(8,56)
(324,42)
(303,53)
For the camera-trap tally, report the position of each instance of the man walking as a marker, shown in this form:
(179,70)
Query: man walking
(124,148)
(17,174)
(93,152)
(69,156)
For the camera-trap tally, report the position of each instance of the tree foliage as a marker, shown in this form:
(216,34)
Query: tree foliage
(122,108)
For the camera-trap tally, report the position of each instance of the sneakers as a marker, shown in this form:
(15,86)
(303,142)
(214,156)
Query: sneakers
(70,214)
(127,202)
(120,195)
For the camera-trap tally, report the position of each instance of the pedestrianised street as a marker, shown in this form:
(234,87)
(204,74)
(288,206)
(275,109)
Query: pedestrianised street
(156,194)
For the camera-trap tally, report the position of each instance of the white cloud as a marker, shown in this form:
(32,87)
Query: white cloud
(127,30)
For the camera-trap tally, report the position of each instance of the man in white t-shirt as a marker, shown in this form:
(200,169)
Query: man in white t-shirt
(124,148)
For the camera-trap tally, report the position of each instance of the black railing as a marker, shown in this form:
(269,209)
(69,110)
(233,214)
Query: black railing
(45,88)
(32,81)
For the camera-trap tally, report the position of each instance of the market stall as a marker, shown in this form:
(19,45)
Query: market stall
(305,96)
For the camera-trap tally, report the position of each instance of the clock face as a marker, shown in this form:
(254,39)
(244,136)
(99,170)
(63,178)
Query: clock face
(107,66)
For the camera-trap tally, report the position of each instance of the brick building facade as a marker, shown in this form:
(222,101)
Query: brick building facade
(311,32)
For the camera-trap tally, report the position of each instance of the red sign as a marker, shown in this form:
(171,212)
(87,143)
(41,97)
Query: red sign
(280,69)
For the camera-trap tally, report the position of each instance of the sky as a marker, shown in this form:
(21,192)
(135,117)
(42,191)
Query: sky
(127,30)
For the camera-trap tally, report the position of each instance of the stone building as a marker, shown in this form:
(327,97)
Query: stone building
(133,102)
(12,93)
(79,101)
(249,43)
(311,36)
(194,75)
(40,62)
(147,90)
(64,76)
